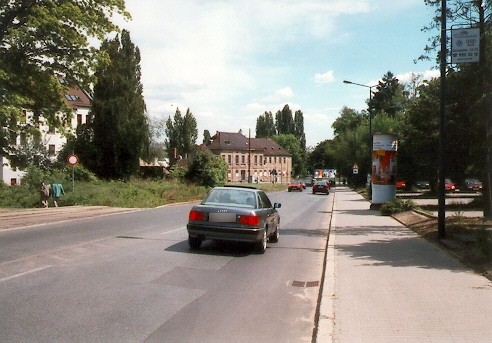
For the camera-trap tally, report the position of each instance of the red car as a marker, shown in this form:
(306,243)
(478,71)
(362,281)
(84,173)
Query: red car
(401,185)
(295,185)
(449,185)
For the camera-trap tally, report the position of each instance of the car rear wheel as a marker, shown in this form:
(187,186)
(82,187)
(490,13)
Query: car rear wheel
(194,242)
(274,236)
(262,244)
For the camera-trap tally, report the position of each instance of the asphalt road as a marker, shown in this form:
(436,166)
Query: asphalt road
(130,277)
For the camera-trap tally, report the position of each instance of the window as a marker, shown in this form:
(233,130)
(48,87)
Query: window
(71,97)
(237,159)
(256,159)
(88,119)
(229,159)
(13,181)
(13,138)
(79,119)
(51,130)
(51,149)
(243,159)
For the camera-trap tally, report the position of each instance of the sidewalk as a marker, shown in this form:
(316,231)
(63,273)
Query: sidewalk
(384,283)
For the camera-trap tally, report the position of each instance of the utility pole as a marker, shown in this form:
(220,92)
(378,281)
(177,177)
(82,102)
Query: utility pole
(442,128)
(485,86)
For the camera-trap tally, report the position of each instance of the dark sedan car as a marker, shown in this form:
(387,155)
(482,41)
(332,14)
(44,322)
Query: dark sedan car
(321,186)
(473,185)
(233,213)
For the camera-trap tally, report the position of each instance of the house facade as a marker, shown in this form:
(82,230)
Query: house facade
(251,159)
(51,138)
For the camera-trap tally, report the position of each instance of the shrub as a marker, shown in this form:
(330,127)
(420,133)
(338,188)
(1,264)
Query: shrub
(397,206)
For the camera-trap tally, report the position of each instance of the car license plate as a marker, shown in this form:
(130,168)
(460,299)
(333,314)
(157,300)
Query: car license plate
(222,217)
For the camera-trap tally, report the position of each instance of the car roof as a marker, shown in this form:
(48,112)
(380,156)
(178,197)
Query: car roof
(230,187)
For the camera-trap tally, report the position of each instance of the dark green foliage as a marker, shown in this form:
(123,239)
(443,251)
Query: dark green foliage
(207,169)
(265,126)
(286,125)
(121,133)
(41,39)
(397,206)
(181,134)
(290,143)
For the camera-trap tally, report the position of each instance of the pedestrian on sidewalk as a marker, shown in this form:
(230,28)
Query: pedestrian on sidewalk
(44,193)
(56,192)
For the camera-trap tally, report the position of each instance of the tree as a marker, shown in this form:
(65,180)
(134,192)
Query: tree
(390,97)
(265,126)
(207,169)
(348,120)
(284,121)
(40,41)
(476,13)
(290,143)
(181,134)
(121,133)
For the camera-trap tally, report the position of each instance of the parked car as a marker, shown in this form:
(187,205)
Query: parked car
(422,185)
(401,185)
(449,185)
(295,185)
(234,213)
(473,185)
(321,186)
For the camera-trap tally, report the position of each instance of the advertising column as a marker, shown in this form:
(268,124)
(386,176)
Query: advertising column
(383,175)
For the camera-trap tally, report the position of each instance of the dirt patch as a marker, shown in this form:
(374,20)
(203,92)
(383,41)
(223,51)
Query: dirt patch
(467,238)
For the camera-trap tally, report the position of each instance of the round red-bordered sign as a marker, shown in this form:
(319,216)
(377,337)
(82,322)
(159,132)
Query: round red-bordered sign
(72,160)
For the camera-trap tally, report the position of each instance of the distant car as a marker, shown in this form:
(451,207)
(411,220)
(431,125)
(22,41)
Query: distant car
(321,186)
(400,185)
(422,184)
(308,181)
(295,185)
(449,185)
(234,213)
(473,185)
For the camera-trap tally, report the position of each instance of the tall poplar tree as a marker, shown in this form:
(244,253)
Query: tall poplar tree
(121,132)
(181,135)
(265,126)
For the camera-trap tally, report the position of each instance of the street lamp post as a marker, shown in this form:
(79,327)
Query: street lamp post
(370,125)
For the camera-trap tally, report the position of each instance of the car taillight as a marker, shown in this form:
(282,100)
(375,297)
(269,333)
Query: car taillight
(196,215)
(249,220)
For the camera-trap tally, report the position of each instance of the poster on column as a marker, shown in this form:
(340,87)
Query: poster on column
(384,168)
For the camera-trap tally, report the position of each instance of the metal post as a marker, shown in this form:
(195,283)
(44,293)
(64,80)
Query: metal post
(442,128)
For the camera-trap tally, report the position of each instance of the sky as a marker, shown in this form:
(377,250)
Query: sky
(229,61)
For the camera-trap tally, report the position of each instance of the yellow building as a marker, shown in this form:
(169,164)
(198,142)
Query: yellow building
(251,159)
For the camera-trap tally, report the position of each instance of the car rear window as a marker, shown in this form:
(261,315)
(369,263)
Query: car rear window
(231,197)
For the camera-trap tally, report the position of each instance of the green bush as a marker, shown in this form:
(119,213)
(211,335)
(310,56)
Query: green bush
(397,206)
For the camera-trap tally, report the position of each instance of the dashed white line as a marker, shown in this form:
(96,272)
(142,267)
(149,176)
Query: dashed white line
(179,228)
(25,273)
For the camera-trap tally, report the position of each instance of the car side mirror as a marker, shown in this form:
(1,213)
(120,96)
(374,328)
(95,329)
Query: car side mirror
(277,205)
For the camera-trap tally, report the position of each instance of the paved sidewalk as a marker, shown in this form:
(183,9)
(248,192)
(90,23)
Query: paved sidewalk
(384,283)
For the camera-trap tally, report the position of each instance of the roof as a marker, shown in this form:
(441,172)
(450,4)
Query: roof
(236,141)
(75,97)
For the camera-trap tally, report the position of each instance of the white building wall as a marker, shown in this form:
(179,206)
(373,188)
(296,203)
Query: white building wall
(12,176)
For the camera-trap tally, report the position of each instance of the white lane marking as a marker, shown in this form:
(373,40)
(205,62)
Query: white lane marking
(25,273)
(179,228)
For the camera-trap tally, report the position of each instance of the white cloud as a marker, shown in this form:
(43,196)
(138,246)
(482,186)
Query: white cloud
(324,78)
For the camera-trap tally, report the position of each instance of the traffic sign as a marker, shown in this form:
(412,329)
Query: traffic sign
(72,160)
(465,45)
